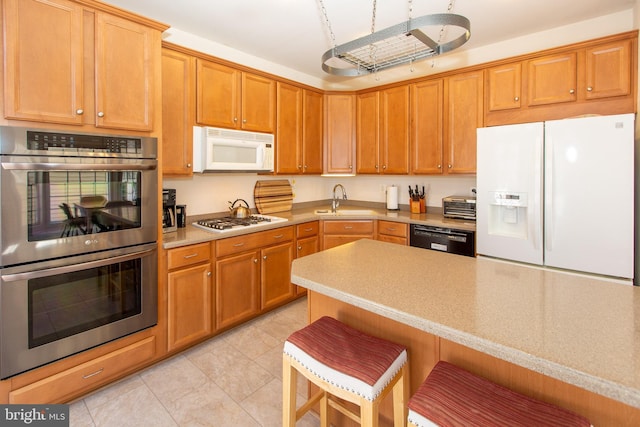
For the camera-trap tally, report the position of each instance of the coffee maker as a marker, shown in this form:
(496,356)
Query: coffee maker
(169,222)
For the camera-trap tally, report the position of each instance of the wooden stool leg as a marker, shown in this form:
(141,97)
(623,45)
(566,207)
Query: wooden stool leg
(289,392)
(368,413)
(324,410)
(400,393)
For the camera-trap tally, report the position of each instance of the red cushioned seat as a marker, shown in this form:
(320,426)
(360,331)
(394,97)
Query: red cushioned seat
(451,396)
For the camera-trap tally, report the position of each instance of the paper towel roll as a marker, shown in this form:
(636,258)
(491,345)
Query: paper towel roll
(392,197)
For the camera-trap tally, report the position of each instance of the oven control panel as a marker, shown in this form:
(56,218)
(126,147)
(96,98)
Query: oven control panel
(49,141)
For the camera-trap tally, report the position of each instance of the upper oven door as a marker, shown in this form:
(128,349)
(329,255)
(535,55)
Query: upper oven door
(59,206)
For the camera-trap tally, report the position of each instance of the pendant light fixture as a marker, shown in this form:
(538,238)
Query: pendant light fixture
(399,44)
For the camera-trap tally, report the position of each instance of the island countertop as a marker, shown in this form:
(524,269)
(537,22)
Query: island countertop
(578,329)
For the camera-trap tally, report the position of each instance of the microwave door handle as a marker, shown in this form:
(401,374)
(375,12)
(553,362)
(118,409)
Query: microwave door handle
(75,267)
(82,166)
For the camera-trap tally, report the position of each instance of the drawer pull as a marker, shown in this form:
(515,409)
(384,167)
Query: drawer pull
(308,229)
(391,228)
(237,245)
(93,374)
(348,227)
(279,236)
(191,256)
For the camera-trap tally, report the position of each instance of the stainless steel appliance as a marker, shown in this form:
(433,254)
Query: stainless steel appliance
(78,250)
(460,207)
(169,214)
(230,223)
(459,242)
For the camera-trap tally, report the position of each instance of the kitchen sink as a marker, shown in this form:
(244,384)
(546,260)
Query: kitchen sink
(345,212)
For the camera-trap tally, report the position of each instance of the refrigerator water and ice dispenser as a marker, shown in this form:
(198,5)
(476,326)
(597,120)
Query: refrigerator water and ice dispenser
(508,214)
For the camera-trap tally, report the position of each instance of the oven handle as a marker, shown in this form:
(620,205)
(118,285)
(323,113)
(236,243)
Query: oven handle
(80,166)
(75,267)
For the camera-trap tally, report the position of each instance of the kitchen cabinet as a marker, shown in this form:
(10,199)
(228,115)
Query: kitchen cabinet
(253,274)
(230,98)
(393,232)
(382,131)
(64,64)
(463,115)
(189,295)
(307,243)
(299,130)
(595,77)
(339,134)
(427,135)
(178,107)
(339,232)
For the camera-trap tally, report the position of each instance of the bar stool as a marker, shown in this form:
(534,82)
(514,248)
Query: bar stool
(452,396)
(346,364)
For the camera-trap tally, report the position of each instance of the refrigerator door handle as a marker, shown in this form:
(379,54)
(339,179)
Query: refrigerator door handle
(548,194)
(535,221)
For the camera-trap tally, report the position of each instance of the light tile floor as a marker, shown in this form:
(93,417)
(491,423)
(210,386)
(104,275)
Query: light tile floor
(233,379)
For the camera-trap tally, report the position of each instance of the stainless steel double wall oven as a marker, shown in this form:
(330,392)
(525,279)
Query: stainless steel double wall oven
(78,242)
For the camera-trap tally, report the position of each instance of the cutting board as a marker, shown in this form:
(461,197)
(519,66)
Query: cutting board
(273,196)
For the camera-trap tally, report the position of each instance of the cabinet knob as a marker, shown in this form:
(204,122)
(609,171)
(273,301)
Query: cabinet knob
(264,257)
(439,166)
(100,114)
(299,248)
(79,111)
(244,120)
(208,274)
(299,166)
(572,91)
(517,98)
(235,120)
(384,167)
(589,89)
(305,166)
(450,166)
(255,260)
(188,165)
(376,167)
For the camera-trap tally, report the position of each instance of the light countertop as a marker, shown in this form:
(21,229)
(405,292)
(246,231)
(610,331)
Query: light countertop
(190,235)
(577,329)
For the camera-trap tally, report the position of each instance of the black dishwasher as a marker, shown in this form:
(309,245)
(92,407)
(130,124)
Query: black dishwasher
(459,242)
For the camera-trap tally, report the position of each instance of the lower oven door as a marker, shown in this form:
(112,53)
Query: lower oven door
(56,308)
(449,240)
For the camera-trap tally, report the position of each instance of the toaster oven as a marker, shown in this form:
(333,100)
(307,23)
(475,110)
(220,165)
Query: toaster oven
(460,207)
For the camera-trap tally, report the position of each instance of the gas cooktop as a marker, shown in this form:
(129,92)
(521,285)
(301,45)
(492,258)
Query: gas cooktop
(227,223)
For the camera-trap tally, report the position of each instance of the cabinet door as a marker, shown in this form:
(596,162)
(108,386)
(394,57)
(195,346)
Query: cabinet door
(289,129)
(189,305)
(339,133)
(504,86)
(552,79)
(178,105)
(43,68)
(367,135)
(276,286)
(312,132)
(426,127)
(464,115)
(608,70)
(217,94)
(237,288)
(125,69)
(306,246)
(258,103)
(394,130)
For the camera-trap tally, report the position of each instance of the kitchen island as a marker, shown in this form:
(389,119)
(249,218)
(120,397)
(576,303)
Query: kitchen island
(568,339)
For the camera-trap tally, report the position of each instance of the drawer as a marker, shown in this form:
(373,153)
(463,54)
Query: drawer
(247,242)
(307,229)
(57,388)
(349,227)
(188,255)
(391,228)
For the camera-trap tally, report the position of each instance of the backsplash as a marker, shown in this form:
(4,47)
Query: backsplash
(207,193)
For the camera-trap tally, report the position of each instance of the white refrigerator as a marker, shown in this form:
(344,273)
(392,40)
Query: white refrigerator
(559,194)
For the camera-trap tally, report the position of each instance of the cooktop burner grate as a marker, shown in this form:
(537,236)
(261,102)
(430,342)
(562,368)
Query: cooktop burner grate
(229,223)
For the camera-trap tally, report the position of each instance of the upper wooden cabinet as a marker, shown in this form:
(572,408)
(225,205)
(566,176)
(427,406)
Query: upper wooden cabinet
(299,130)
(178,107)
(75,75)
(463,115)
(339,134)
(594,78)
(230,98)
(427,127)
(382,132)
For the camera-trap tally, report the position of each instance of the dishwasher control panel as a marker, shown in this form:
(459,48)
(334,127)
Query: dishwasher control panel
(459,242)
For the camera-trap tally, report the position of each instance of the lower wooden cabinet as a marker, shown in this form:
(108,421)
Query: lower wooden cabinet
(275,275)
(339,232)
(60,387)
(393,232)
(189,295)
(237,288)
(307,243)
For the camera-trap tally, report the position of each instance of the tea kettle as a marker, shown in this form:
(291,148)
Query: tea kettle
(240,211)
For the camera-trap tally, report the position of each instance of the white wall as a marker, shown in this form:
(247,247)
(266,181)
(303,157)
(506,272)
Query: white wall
(207,193)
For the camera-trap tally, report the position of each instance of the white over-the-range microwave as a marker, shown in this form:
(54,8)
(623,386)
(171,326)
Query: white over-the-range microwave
(226,150)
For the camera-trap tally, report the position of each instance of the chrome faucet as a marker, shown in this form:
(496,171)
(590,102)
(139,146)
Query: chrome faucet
(335,202)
